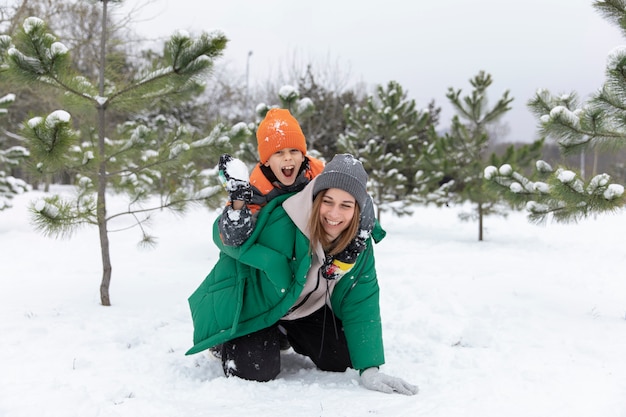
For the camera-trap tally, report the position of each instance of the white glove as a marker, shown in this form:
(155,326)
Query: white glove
(377,381)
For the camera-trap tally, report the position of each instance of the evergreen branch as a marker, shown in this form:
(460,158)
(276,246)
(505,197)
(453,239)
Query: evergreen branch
(566,197)
(54,217)
(176,205)
(135,170)
(612,10)
(188,59)
(163,74)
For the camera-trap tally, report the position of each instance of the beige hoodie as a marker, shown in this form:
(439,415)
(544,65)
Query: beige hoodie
(317,290)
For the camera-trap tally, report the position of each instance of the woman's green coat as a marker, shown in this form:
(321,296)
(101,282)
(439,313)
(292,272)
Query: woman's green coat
(251,287)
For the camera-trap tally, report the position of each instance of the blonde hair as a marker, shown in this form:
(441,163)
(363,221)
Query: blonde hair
(318,235)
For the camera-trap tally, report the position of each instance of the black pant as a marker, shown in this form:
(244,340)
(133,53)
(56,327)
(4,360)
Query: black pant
(256,356)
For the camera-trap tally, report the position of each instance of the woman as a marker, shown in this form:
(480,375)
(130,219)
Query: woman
(277,283)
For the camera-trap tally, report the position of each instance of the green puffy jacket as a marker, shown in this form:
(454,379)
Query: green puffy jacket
(252,287)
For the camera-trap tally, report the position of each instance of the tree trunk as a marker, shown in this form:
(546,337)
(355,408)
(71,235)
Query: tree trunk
(101,212)
(480,222)
(102,225)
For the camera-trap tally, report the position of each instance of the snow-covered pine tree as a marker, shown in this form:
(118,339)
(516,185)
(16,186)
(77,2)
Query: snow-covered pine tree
(10,156)
(136,159)
(327,90)
(598,123)
(462,150)
(384,134)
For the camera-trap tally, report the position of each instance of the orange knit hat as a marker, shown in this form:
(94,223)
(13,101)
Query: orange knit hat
(279,130)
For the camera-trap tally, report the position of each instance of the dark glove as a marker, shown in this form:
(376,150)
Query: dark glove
(235,179)
(335,267)
(377,381)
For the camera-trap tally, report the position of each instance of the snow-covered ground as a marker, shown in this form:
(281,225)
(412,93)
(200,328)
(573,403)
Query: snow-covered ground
(529,322)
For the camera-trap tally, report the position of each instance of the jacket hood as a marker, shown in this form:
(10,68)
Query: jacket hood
(299,207)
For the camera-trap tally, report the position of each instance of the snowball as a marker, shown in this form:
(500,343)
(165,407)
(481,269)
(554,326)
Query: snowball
(237,169)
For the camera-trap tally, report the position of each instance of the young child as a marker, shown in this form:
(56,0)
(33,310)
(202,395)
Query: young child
(284,167)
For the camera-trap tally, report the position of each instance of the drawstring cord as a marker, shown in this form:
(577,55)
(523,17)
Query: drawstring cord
(327,299)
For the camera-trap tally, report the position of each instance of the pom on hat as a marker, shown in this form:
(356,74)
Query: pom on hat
(346,173)
(279,130)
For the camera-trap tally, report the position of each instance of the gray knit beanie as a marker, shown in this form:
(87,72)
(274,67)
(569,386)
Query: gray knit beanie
(346,173)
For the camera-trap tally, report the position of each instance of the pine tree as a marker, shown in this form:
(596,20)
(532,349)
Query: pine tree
(598,123)
(134,158)
(10,156)
(327,122)
(462,150)
(385,135)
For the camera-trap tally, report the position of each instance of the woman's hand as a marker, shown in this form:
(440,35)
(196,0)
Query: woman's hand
(378,381)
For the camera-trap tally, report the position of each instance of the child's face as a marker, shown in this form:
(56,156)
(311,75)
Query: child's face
(336,212)
(285,164)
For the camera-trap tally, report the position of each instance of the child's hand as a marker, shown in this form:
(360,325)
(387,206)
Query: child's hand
(235,179)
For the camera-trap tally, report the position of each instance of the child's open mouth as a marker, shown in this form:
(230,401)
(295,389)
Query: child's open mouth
(288,171)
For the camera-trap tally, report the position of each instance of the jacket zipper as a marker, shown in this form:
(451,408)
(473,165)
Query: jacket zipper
(306,297)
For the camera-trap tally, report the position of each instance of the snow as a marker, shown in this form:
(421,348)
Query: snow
(529,322)
(237,170)
(614,191)
(7,99)
(58,48)
(57,116)
(31,23)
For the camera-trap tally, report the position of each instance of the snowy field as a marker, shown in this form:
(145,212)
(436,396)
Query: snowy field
(530,322)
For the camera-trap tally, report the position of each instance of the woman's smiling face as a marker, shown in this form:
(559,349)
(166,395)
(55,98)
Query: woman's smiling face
(336,211)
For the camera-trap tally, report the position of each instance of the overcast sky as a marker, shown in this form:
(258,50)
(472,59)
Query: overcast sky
(561,45)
